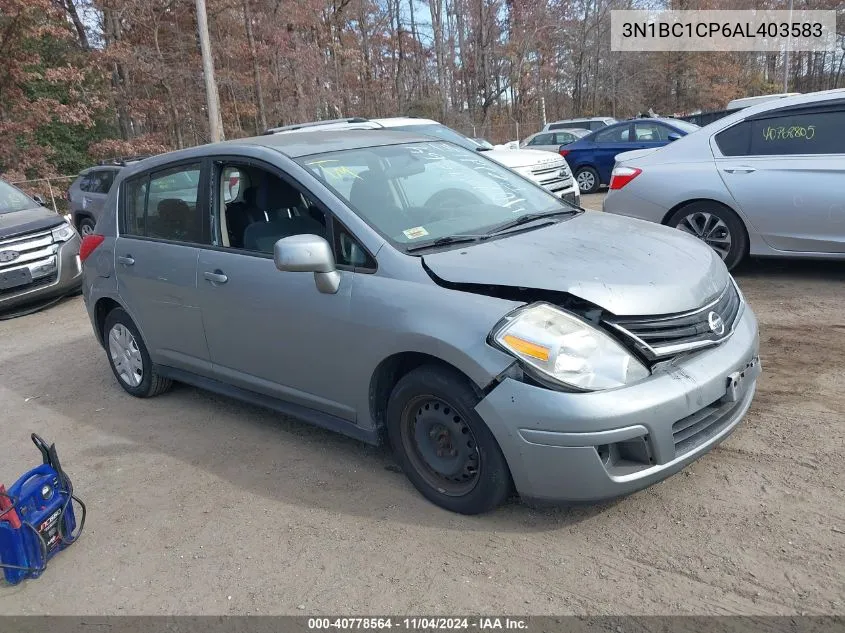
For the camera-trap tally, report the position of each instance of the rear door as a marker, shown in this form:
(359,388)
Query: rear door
(164,221)
(786,170)
(608,143)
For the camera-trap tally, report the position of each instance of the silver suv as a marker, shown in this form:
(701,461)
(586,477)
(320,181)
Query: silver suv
(394,286)
(88,192)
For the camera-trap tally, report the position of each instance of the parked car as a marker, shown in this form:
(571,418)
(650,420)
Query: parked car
(88,192)
(592,157)
(768,180)
(552,173)
(38,252)
(553,141)
(392,285)
(589,123)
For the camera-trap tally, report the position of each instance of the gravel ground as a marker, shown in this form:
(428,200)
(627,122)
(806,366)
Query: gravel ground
(202,505)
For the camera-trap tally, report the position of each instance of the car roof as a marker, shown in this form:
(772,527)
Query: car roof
(293,145)
(586,118)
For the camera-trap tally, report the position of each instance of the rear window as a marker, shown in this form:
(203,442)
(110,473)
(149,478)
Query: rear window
(791,133)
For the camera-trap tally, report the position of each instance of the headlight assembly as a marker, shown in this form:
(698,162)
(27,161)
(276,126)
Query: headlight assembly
(63,232)
(566,350)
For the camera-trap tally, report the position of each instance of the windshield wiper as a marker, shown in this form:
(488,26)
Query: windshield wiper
(530,217)
(445,241)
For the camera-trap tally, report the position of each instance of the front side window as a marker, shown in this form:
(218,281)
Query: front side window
(164,205)
(417,192)
(13,199)
(542,139)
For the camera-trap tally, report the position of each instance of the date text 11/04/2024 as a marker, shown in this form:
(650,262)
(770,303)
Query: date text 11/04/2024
(481,623)
(722,29)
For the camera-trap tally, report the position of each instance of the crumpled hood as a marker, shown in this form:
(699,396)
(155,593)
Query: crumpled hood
(20,222)
(626,266)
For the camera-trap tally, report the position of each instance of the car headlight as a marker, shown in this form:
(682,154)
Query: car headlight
(63,233)
(567,350)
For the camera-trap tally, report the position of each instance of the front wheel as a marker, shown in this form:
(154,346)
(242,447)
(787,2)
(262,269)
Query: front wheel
(443,445)
(588,180)
(86,227)
(715,225)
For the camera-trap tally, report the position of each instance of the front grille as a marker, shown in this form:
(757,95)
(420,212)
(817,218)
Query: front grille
(696,429)
(30,248)
(664,336)
(554,176)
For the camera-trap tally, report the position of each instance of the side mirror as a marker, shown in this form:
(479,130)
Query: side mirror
(673,136)
(308,254)
(39,200)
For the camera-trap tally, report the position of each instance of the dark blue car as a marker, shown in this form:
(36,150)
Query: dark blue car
(593,156)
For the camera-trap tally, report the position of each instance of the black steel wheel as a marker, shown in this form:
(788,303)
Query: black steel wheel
(442,444)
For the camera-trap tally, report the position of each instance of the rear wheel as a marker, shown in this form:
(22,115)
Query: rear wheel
(129,359)
(86,226)
(717,226)
(442,444)
(588,180)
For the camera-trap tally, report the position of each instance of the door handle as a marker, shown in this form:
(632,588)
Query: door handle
(216,277)
(739,170)
(126,260)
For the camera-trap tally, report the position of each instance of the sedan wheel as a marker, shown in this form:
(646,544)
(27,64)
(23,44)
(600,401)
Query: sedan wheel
(588,180)
(717,226)
(710,229)
(86,227)
(125,355)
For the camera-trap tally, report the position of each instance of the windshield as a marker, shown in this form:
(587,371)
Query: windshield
(416,193)
(13,199)
(440,131)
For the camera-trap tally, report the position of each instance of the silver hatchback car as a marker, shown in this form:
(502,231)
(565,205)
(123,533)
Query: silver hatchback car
(392,286)
(768,180)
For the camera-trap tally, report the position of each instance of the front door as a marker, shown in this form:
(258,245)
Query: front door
(268,331)
(786,171)
(162,227)
(608,143)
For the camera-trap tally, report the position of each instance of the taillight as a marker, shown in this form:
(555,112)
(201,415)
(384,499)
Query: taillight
(564,152)
(621,176)
(89,245)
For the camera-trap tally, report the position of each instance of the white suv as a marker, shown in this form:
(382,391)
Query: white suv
(544,168)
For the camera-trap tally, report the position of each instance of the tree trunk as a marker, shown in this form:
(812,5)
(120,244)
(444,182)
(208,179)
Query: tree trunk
(256,73)
(78,26)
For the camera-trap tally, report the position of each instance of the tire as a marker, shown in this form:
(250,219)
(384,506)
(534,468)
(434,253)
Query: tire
(430,408)
(717,226)
(588,180)
(86,226)
(129,359)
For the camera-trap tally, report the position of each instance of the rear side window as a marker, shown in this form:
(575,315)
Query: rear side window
(85,183)
(165,205)
(820,132)
(614,135)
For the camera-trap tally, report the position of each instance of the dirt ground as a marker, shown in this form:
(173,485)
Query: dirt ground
(202,505)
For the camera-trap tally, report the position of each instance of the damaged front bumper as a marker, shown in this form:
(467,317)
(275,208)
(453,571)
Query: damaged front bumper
(581,447)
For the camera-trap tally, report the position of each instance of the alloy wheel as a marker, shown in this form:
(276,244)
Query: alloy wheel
(126,355)
(709,228)
(586,181)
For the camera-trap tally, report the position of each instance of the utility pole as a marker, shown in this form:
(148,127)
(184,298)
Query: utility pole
(212,99)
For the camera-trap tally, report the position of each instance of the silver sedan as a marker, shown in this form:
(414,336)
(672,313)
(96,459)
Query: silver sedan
(768,180)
